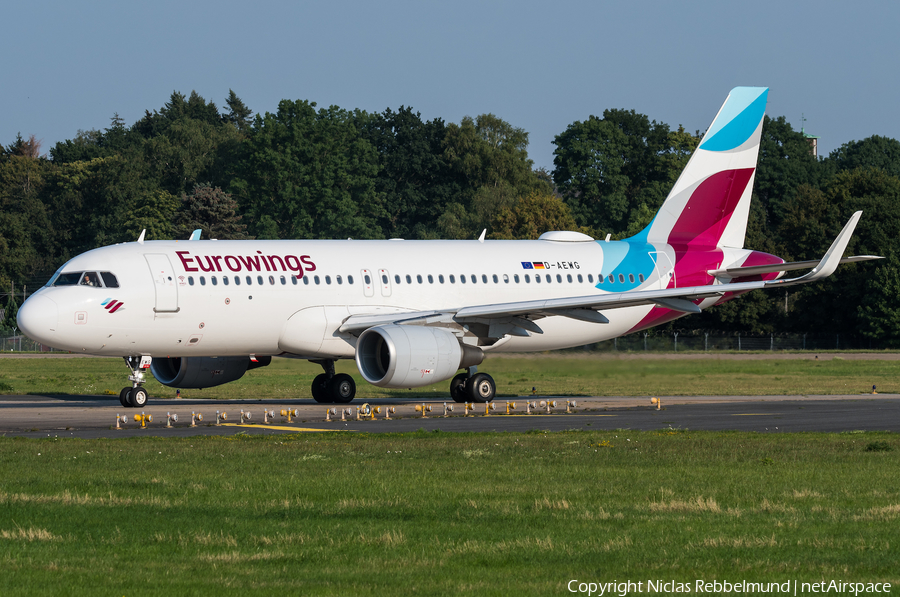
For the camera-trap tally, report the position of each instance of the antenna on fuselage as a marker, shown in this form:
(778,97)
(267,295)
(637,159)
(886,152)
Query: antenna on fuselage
(141,237)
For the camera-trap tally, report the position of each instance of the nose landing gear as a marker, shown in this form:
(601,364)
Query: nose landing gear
(331,387)
(135,396)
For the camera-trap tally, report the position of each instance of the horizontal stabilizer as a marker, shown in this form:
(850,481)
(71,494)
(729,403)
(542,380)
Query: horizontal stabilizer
(757,270)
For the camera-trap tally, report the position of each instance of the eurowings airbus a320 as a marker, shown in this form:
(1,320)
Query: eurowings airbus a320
(412,313)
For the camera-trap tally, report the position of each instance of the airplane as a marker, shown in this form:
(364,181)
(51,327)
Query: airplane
(200,313)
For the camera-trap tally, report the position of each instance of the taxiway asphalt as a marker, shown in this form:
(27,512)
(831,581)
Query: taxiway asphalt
(95,416)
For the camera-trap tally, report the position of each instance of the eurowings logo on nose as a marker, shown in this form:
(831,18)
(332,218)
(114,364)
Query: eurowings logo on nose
(111,305)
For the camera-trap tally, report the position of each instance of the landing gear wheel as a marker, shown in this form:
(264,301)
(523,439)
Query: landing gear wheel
(125,397)
(320,391)
(138,397)
(342,388)
(481,387)
(458,388)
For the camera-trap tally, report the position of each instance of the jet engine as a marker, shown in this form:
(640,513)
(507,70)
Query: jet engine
(202,372)
(409,356)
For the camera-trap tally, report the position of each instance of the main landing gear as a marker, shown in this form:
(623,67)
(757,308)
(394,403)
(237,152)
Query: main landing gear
(331,387)
(135,396)
(472,387)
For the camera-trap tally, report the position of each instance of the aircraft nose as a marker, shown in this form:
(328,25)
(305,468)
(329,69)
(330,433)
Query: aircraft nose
(38,318)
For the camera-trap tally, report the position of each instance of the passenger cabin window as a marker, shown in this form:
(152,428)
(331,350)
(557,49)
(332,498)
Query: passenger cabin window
(191,280)
(484,278)
(419,278)
(441,278)
(339,279)
(621,278)
(202,280)
(631,278)
(640,277)
(215,281)
(349,279)
(305,280)
(316,280)
(259,280)
(452,279)
(328,280)
(225,280)
(430,279)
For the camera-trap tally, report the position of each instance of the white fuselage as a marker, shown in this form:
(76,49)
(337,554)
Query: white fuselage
(223,298)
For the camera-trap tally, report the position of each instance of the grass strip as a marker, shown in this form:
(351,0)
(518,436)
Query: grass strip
(437,513)
(595,375)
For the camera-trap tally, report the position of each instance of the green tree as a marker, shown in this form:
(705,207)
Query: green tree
(814,221)
(414,179)
(26,239)
(238,113)
(606,168)
(879,311)
(875,151)
(533,215)
(153,211)
(9,312)
(785,163)
(310,173)
(490,158)
(211,210)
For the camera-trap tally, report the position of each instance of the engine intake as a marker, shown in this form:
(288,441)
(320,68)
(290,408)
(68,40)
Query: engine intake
(202,372)
(407,356)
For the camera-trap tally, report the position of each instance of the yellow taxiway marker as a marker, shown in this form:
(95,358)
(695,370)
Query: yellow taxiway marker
(277,427)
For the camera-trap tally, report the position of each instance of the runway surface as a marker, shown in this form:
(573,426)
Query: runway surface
(95,416)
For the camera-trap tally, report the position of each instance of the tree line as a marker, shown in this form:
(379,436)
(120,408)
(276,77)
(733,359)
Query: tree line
(310,172)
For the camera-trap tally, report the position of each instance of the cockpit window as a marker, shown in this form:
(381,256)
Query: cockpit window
(98,280)
(70,279)
(109,280)
(90,279)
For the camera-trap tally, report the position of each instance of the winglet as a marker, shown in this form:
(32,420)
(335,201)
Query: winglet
(195,235)
(832,257)
(141,237)
(483,233)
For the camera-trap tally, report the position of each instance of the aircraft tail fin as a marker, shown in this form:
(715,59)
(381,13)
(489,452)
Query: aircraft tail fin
(710,203)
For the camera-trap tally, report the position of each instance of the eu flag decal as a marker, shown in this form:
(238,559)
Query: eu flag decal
(527,265)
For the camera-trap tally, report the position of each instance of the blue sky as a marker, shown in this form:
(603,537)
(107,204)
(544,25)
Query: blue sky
(538,65)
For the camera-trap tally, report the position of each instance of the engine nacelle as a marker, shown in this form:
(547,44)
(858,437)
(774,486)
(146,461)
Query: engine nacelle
(410,356)
(202,372)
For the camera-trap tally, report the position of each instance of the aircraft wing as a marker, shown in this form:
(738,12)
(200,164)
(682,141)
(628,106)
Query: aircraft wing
(518,317)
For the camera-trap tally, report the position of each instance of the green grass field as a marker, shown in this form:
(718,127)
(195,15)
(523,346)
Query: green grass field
(551,374)
(443,514)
